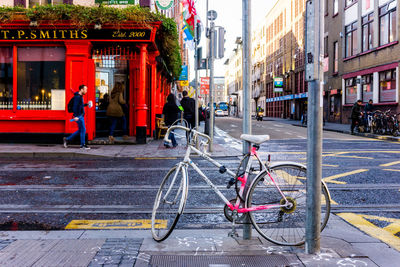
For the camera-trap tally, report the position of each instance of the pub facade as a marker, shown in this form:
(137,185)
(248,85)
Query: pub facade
(42,66)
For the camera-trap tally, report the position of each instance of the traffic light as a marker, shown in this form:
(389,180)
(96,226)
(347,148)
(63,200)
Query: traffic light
(199,56)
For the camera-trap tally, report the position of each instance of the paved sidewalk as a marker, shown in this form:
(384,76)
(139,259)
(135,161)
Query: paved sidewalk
(338,127)
(341,245)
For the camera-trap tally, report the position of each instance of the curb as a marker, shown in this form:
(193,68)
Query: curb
(374,136)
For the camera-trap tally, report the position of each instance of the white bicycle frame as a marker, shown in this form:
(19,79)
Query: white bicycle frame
(188,162)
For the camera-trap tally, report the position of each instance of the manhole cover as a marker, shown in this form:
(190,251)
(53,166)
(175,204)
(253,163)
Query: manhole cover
(218,261)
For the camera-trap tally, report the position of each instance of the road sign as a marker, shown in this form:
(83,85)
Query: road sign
(184,83)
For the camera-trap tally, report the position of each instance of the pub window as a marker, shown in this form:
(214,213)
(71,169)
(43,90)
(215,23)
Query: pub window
(41,78)
(387,86)
(387,22)
(351,91)
(351,39)
(367,34)
(367,87)
(6,78)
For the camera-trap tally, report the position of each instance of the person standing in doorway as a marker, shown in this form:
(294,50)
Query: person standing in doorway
(78,117)
(189,107)
(355,115)
(116,112)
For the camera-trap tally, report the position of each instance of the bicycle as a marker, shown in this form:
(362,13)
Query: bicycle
(275,199)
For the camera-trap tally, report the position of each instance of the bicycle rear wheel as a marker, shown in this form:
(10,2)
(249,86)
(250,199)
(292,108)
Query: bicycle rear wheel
(284,226)
(169,203)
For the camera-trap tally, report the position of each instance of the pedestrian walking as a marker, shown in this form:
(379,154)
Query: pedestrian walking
(189,107)
(355,115)
(78,110)
(115,111)
(170,112)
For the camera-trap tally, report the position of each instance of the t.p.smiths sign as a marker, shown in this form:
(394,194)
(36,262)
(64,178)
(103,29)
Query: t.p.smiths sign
(75,34)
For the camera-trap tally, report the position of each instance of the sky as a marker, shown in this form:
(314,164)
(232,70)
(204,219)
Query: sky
(230,17)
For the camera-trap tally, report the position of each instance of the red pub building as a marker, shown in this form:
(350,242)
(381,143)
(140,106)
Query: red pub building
(42,66)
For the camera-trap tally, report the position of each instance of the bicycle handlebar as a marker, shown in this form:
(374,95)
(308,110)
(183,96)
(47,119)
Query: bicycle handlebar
(185,129)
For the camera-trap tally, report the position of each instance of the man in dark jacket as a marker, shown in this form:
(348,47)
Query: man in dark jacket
(79,114)
(355,115)
(189,106)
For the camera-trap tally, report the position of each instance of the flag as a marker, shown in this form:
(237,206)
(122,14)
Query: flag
(189,13)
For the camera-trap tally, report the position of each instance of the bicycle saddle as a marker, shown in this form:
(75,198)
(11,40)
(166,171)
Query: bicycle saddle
(255,139)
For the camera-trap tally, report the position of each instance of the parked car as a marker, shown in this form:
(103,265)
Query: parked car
(219,112)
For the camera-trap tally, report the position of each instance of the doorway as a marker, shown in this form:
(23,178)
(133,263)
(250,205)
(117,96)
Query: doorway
(106,78)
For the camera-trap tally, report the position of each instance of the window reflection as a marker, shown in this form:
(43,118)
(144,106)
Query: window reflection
(6,78)
(41,78)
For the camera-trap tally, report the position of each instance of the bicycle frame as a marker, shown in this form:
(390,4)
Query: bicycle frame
(253,153)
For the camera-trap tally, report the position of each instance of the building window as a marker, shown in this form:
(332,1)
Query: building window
(367,32)
(367,87)
(387,86)
(33,3)
(387,22)
(335,57)
(326,46)
(335,7)
(351,91)
(349,2)
(351,39)
(6,78)
(41,78)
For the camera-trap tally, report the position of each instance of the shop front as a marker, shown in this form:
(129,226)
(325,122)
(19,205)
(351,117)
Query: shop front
(42,67)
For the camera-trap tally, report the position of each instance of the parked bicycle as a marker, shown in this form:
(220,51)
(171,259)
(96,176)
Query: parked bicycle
(275,199)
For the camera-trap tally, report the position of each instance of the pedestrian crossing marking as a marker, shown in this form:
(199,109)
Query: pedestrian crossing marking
(386,234)
(331,179)
(115,224)
(390,164)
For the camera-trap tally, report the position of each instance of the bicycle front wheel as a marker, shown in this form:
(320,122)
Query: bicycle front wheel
(169,203)
(285,225)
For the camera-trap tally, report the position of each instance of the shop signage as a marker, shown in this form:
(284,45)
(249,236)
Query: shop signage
(75,34)
(278,85)
(184,73)
(184,83)
(164,4)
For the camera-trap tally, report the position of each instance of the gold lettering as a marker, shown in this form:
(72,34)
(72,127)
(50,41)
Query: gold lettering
(5,33)
(84,34)
(55,34)
(20,33)
(63,33)
(74,34)
(115,34)
(33,34)
(44,34)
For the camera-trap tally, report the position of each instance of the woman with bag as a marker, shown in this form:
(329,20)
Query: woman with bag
(115,111)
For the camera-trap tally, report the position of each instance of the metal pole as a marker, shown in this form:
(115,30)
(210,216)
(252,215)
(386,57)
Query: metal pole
(205,96)
(196,77)
(314,135)
(246,32)
(211,127)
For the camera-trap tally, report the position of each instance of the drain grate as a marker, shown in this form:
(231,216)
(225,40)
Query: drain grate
(218,261)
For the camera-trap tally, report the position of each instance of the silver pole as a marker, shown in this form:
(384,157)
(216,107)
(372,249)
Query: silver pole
(196,77)
(211,128)
(314,135)
(205,96)
(246,32)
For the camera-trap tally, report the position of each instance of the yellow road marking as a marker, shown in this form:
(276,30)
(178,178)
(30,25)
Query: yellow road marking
(330,165)
(391,170)
(330,179)
(390,164)
(354,157)
(156,158)
(114,224)
(386,234)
